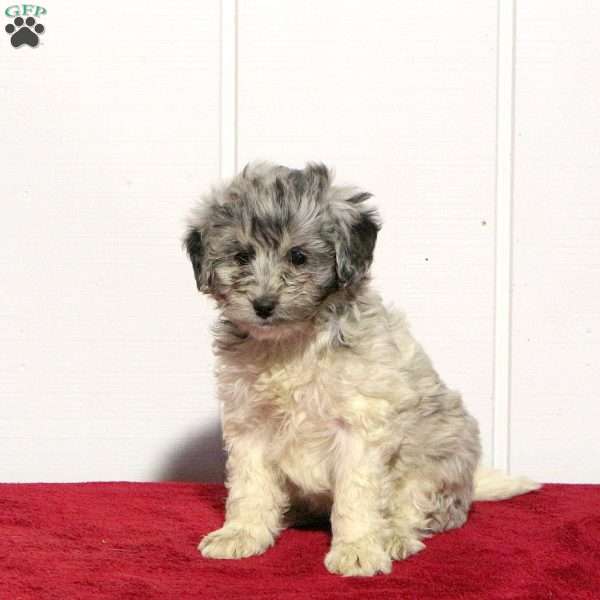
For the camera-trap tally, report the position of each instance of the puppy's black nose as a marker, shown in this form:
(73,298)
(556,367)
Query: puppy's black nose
(264,306)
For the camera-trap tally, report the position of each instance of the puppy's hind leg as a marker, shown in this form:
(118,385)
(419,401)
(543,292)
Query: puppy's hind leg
(406,520)
(421,506)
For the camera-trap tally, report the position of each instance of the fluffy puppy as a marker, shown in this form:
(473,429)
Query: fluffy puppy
(329,403)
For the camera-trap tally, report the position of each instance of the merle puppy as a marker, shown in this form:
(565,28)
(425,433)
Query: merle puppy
(329,403)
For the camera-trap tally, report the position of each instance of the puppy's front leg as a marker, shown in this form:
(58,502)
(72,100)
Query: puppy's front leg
(254,508)
(357,521)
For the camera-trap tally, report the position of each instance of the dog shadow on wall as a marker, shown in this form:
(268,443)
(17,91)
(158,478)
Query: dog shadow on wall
(197,457)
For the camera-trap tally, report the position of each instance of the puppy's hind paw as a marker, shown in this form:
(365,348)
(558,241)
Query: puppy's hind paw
(364,557)
(229,542)
(400,547)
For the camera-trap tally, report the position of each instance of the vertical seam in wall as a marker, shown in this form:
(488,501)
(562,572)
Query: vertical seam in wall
(503,231)
(228,95)
(228,90)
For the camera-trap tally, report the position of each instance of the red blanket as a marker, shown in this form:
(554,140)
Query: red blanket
(138,541)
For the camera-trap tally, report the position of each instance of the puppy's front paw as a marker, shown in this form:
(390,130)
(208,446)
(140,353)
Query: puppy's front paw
(400,547)
(231,542)
(363,558)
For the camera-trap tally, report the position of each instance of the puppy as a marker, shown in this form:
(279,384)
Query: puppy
(329,404)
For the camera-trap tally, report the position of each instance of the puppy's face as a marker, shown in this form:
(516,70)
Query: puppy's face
(274,244)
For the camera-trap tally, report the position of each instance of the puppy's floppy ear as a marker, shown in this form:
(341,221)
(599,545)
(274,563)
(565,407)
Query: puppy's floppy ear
(356,234)
(194,246)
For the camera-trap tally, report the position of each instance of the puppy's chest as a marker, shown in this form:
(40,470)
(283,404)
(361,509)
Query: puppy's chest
(303,426)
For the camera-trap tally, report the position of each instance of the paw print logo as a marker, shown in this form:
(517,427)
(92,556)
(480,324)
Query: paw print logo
(24,32)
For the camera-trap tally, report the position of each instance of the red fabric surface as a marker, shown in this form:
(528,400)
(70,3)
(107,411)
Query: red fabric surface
(130,540)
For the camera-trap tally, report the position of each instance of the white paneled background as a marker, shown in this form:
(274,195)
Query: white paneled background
(476,124)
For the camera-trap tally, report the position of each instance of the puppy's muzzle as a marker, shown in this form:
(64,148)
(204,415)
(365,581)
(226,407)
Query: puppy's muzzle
(264,306)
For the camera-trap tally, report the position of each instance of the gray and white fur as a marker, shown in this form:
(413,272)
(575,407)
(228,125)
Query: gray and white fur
(329,403)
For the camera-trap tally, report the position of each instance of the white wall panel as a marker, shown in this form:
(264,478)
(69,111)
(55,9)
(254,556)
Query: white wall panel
(556,260)
(109,132)
(400,98)
(126,112)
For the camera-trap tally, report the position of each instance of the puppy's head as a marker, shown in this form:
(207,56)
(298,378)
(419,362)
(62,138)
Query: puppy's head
(275,243)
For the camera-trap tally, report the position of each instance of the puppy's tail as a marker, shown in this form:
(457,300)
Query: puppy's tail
(491,484)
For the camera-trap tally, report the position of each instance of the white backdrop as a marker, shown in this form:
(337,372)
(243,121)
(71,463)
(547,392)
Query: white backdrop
(126,112)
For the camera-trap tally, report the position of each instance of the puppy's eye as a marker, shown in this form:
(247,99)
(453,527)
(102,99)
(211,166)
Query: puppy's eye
(242,258)
(297,257)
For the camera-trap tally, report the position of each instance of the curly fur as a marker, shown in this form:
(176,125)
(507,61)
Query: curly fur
(329,403)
